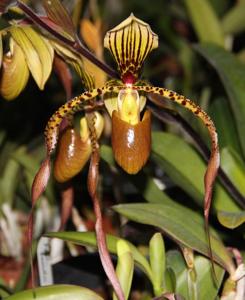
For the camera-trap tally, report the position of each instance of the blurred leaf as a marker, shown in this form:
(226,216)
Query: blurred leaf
(89,239)
(91,34)
(57,292)
(181,224)
(221,114)
(205,22)
(4,5)
(1,50)
(9,181)
(205,284)
(37,54)
(232,74)
(58,14)
(231,219)
(233,21)
(125,267)
(64,75)
(180,161)
(14,71)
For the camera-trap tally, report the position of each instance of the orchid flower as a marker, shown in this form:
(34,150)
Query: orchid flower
(129,43)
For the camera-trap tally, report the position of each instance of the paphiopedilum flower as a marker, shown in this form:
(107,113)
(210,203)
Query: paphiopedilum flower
(130,42)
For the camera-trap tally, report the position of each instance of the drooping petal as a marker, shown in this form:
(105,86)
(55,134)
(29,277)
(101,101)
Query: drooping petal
(129,43)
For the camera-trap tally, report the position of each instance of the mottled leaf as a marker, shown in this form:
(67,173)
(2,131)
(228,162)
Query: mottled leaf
(181,224)
(205,22)
(232,73)
(14,72)
(56,292)
(89,239)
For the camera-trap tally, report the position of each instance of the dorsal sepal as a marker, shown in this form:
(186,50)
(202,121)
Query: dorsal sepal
(129,43)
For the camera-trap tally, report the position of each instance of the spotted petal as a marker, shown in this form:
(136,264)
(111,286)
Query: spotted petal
(129,43)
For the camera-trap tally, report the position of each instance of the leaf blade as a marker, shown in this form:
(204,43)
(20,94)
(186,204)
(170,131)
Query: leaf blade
(57,292)
(231,72)
(205,22)
(89,239)
(182,224)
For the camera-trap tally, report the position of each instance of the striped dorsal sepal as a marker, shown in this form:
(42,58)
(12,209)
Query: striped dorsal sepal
(129,43)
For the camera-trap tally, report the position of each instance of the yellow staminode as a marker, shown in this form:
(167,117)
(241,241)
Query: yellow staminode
(130,42)
(129,106)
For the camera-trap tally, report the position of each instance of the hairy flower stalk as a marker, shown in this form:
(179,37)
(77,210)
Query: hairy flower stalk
(130,42)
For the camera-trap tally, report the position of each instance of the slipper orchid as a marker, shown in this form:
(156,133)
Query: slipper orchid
(130,42)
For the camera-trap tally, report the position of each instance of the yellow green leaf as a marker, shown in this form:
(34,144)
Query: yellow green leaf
(125,267)
(56,292)
(14,72)
(36,52)
(231,219)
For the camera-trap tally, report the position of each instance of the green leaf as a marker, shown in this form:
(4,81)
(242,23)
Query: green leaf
(205,22)
(232,74)
(89,239)
(180,161)
(181,224)
(206,287)
(9,181)
(107,155)
(234,167)
(231,219)
(125,267)
(57,292)
(220,112)
(233,21)
(157,262)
